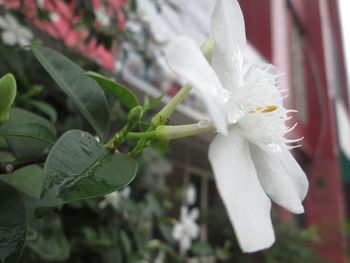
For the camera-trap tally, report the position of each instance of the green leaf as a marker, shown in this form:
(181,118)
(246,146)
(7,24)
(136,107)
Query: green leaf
(44,108)
(26,147)
(30,130)
(28,180)
(85,92)
(48,240)
(78,168)
(12,224)
(123,94)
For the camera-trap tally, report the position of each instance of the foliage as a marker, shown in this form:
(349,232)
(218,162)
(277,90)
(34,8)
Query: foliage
(69,143)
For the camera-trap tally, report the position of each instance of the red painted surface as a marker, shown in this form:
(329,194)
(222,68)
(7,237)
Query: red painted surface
(257,16)
(324,204)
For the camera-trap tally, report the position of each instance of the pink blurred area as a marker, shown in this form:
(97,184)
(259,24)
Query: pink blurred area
(62,27)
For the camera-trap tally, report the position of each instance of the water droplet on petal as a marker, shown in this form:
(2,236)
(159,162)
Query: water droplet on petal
(202,123)
(235,112)
(274,147)
(225,95)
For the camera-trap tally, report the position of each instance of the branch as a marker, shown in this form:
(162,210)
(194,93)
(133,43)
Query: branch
(9,167)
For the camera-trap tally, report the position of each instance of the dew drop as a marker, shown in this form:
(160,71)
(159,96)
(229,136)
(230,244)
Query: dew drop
(225,95)
(274,147)
(202,123)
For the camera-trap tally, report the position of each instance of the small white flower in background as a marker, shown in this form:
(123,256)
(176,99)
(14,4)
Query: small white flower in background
(160,257)
(54,17)
(40,3)
(102,16)
(250,156)
(114,199)
(186,229)
(13,33)
(191,194)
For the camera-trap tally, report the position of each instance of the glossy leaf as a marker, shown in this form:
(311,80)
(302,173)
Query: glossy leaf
(78,168)
(25,147)
(28,180)
(123,94)
(84,91)
(12,224)
(30,130)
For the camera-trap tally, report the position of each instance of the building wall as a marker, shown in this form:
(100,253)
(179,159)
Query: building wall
(303,40)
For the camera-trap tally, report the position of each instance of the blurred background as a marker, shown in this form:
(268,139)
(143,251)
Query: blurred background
(309,41)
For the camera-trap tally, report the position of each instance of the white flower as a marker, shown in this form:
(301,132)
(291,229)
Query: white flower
(250,156)
(186,229)
(160,257)
(102,16)
(191,194)
(114,199)
(40,3)
(13,33)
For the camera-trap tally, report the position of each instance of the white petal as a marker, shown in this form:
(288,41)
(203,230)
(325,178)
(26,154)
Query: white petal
(22,41)
(228,29)
(194,214)
(12,21)
(25,33)
(3,23)
(185,243)
(247,205)
(8,38)
(280,176)
(191,194)
(193,230)
(177,231)
(187,60)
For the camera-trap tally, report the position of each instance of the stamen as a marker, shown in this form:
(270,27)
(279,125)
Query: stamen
(266,109)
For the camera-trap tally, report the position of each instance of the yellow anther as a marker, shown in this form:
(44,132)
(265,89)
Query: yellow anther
(267,109)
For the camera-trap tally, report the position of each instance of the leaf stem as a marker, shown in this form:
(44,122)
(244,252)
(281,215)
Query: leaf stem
(9,167)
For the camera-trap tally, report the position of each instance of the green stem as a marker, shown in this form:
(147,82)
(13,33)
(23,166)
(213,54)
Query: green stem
(162,116)
(181,131)
(141,135)
(117,139)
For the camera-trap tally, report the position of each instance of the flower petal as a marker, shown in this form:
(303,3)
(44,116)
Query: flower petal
(247,205)
(9,38)
(3,23)
(227,25)
(280,176)
(187,60)
(178,231)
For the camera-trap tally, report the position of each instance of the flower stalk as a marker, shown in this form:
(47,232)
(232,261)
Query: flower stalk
(162,116)
(181,131)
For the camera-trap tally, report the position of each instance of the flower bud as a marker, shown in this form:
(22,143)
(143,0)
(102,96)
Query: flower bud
(8,90)
(135,115)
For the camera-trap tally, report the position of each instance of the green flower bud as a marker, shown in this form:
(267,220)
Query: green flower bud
(8,90)
(135,115)
(208,48)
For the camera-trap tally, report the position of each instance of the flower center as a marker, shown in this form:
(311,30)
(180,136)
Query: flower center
(266,109)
